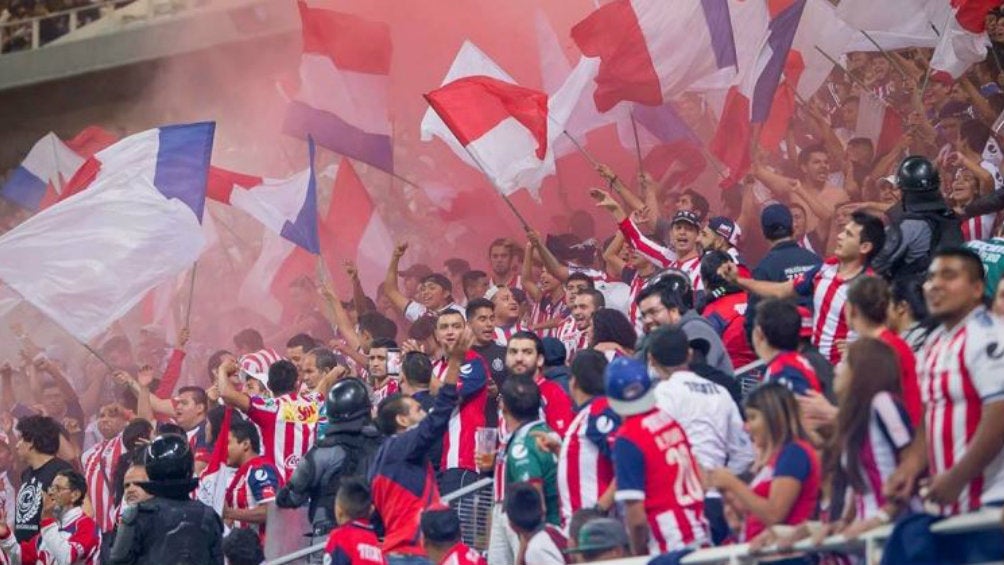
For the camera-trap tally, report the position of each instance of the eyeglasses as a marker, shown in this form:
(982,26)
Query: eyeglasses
(58,488)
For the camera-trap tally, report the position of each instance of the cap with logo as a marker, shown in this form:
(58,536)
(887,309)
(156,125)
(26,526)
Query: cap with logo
(688,217)
(600,534)
(726,228)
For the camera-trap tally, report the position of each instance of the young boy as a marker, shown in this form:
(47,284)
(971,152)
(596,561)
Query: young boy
(353,542)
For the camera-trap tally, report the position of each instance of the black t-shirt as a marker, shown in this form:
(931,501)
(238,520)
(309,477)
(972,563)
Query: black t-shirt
(34,484)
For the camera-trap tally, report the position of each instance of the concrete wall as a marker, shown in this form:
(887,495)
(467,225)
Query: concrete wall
(215,63)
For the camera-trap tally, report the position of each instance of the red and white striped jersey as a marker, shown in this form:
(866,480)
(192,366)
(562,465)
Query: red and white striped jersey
(288,424)
(99,469)
(585,466)
(515,281)
(547,310)
(960,371)
(829,299)
(503,334)
(979,227)
(692,267)
(572,338)
(390,386)
(255,483)
(634,312)
(889,431)
(472,386)
(74,540)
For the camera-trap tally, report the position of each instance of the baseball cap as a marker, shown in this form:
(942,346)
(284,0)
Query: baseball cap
(891,179)
(776,221)
(440,280)
(726,228)
(418,271)
(688,217)
(669,346)
(599,534)
(440,524)
(255,365)
(554,352)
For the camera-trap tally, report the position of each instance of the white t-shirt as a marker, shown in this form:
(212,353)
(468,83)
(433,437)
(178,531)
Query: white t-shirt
(711,419)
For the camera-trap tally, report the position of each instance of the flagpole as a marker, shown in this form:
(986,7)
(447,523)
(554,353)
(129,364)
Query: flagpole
(191,293)
(581,149)
(927,75)
(885,54)
(637,143)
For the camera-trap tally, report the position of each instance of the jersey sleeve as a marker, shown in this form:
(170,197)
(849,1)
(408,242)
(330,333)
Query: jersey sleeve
(600,428)
(793,379)
(805,282)
(893,420)
(793,462)
(473,377)
(629,470)
(985,357)
(656,254)
(337,556)
(717,321)
(264,483)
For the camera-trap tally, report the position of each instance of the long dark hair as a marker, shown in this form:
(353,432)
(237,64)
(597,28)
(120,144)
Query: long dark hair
(611,325)
(780,410)
(873,368)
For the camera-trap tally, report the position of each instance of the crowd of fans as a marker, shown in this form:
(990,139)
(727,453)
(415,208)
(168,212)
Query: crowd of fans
(53,17)
(821,355)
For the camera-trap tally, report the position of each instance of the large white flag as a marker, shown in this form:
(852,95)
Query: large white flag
(87,260)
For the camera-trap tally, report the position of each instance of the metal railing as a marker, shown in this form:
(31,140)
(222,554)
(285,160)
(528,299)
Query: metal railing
(870,542)
(473,520)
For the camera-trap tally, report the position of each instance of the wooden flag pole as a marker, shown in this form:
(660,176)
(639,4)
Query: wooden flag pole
(581,149)
(637,143)
(191,293)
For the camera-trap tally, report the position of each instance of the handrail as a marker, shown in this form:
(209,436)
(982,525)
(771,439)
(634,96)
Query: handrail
(446,498)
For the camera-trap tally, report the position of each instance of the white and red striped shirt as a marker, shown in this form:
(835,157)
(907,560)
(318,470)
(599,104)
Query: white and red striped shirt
(547,310)
(829,299)
(634,313)
(960,371)
(288,424)
(99,470)
(73,539)
(692,267)
(889,431)
(979,227)
(585,466)
(459,445)
(390,386)
(573,338)
(255,483)
(503,335)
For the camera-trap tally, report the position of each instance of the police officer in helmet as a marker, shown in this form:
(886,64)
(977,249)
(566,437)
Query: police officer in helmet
(350,441)
(170,528)
(920,224)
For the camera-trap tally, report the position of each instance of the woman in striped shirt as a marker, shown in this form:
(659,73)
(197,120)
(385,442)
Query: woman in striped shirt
(872,429)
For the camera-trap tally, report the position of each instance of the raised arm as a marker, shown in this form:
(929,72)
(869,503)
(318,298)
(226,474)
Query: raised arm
(231,396)
(339,317)
(526,275)
(612,256)
(656,253)
(551,263)
(359,297)
(630,198)
(391,288)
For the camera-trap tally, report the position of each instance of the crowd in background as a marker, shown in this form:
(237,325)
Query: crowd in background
(818,352)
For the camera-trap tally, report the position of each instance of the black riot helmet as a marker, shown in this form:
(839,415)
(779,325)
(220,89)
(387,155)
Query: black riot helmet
(917,174)
(168,458)
(348,401)
(170,464)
